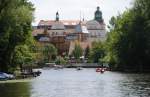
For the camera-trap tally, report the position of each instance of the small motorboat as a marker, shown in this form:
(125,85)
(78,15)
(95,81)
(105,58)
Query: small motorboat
(101,70)
(98,69)
(56,67)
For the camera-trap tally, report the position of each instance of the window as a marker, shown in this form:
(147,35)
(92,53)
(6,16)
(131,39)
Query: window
(53,33)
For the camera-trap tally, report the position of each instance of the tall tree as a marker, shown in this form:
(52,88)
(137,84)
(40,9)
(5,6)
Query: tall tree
(87,52)
(128,43)
(97,51)
(15,27)
(77,52)
(49,50)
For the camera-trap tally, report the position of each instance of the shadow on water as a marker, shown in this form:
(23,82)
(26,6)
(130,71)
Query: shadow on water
(21,89)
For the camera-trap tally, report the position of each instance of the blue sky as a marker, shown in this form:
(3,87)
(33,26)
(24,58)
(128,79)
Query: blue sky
(71,9)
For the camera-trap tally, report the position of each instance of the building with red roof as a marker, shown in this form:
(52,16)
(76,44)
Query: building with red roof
(63,33)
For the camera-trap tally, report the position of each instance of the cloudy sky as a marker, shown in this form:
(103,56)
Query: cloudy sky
(73,9)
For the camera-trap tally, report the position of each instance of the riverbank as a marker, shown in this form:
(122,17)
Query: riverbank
(16,80)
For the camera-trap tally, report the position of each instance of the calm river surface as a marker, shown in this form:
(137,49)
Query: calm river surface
(84,83)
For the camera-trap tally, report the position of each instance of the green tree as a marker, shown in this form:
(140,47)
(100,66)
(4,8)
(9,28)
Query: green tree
(60,61)
(77,52)
(87,52)
(97,51)
(49,50)
(15,27)
(128,43)
(37,49)
(23,56)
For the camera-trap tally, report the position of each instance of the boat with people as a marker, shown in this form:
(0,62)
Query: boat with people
(101,70)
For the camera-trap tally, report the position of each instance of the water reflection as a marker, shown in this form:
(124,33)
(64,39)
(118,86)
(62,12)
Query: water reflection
(85,83)
(15,90)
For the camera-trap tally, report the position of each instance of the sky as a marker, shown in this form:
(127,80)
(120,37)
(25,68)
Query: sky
(76,9)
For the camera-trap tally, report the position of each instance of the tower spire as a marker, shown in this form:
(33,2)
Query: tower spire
(83,18)
(57,16)
(80,16)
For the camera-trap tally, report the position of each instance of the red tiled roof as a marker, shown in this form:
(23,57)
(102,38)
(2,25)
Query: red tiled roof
(65,22)
(37,31)
(48,22)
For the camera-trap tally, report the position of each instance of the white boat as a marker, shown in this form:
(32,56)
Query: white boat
(58,67)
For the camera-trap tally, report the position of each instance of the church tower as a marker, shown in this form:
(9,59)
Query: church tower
(98,15)
(57,16)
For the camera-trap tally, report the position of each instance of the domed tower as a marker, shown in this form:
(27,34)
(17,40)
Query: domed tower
(98,15)
(57,16)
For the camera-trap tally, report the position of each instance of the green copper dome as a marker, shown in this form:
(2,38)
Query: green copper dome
(57,16)
(98,15)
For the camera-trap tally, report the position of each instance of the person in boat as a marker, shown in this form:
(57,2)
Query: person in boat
(100,70)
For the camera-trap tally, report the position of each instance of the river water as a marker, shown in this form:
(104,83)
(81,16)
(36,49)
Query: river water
(84,83)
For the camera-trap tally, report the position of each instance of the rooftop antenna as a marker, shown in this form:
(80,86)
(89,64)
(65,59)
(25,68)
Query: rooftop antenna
(80,16)
(83,17)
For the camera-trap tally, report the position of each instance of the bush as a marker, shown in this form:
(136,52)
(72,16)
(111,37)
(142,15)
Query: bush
(60,61)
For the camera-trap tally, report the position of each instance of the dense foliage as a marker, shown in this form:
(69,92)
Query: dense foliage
(15,30)
(49,52)
(60,61)
(128,43)
(97,52)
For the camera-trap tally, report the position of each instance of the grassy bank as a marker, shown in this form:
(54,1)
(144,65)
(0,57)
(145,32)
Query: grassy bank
(16,81)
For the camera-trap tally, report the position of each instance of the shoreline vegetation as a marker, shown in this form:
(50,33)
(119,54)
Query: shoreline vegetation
(127,47)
